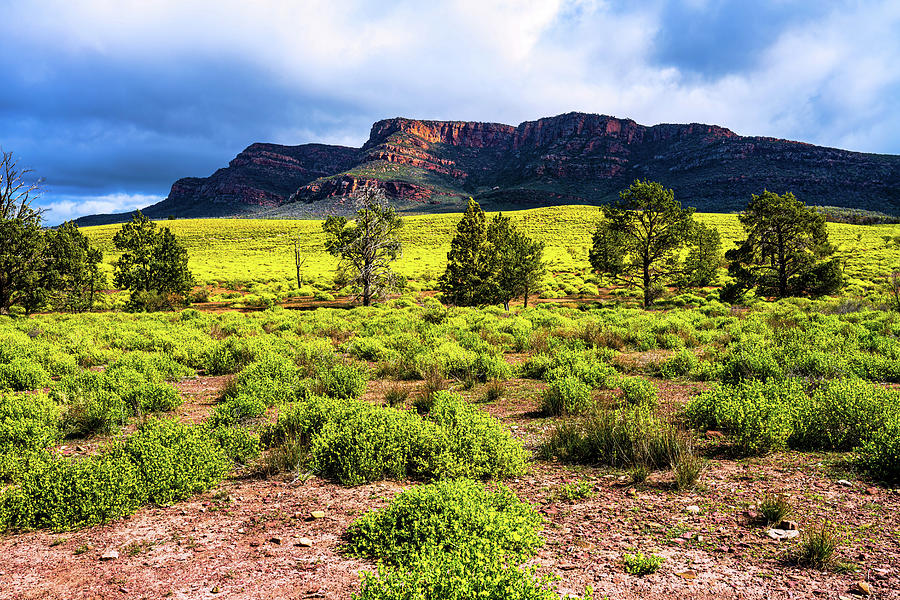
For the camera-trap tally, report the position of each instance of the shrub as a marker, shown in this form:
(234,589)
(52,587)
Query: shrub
(459,576)
(28,422)
(880,453)
(580,490)
(680,365)
(817,547)
(94,411)
(774,508)
(155,366)
(239,443)
(71,493)
(236,409)
(760,415)
(157,396)
(482,446)
(365,443)
(174,460)
(341,381)
(687,466)
(619,438)
(271,379)
(21,374)
(638,391)
(641,564)
(443,517)
(494,390)
(566,396)
(301,421)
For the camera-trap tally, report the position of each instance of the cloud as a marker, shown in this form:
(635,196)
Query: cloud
(66,208)
(104,97)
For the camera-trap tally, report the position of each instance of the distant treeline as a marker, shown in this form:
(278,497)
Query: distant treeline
(856,216)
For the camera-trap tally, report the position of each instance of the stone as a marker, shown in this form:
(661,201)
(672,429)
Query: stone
(687,574)
(304,542)
(788,525)
(863,588)
(692,510)
(215,590)
(782,534)
(845,483)
(109,555)
(275,540)
(317,514)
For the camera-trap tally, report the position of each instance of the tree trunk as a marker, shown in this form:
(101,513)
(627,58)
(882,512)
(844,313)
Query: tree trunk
(646,283)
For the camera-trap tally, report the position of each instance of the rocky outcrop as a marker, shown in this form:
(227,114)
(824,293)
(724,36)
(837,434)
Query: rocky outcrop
(575,158)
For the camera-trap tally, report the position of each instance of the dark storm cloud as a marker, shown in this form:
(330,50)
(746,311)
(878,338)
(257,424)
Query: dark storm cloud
(112,102)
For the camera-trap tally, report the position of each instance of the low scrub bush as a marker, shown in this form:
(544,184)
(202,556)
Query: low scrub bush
(22,374)
(459,576)
(642,564)
(237,409)
(619,438)
(271,379)
(162,462)
(566,396)
(638,391)
(443,517)
(340,381)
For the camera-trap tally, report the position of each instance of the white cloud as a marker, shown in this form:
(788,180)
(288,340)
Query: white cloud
(72,207)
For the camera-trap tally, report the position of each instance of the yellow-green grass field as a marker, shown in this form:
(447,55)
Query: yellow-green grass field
(236,253)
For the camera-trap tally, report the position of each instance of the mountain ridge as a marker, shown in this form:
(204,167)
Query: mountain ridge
(573,158)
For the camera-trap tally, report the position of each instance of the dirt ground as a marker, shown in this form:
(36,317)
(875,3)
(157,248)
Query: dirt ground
(245,538)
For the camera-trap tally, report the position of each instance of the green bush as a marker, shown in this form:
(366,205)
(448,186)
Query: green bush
(481,445)
(155,366)
(236,409)
(28,422)
(759,414)
(619,438)
(239,443)
(459,576)
(341,381)
(679,365)
(175,461)
(567,395)
(270,379)
(443,517)
(71,493)
(879,454)
(638,391)
(157,396)
(301,420)
(21,374)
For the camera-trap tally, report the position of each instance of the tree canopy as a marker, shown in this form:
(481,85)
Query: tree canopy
(642,235)
(490,262)
(153,264)
(367,245)
(786,250)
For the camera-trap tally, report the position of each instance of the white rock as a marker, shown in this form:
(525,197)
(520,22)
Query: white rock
(693,509)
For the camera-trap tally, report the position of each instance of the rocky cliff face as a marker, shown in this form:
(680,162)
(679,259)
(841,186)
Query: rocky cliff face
(571,158)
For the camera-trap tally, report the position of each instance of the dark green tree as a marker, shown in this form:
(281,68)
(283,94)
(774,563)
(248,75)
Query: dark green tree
(701,265)
(786,252)
(71,273)
(153,264)
(513,263)
(21,237)
(464,278)
(640,240)
(367,245)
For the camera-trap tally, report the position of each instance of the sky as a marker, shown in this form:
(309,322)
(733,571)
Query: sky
(111,101)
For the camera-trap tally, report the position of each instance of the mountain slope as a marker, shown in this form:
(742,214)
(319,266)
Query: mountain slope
(574,158)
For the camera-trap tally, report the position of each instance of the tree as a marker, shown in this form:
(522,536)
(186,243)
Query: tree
(465,273)
(490,262)
(701,266)
(21,237)
(153,265)
(640,240)
(513,263)
(70,275)
(366,246)
(786,250)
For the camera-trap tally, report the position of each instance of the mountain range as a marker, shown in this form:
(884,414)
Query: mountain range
(575,158)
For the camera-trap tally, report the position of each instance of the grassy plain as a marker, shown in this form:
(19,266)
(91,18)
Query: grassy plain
(240,252)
